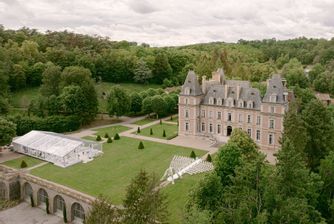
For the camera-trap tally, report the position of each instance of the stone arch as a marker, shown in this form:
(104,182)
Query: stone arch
(42,196)
(27,192)
(3,191)
(58,204)
(77,212)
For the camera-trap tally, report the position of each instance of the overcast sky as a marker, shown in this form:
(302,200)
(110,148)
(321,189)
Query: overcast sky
(175,22)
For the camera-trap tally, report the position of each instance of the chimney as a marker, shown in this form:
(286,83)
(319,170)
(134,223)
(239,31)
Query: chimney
(204,84)
(226,87)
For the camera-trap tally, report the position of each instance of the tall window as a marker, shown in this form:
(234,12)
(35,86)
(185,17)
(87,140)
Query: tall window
(210,114)
(203,127)
(218,129)
(272,109)
(249,131)
(186,100)
(187,126)
(249,118)
(258,120)
(210,128)
(240,118)
(203,113)
(229,117)
(271,139)
(271,124)
(219,115)
(187,114)
(258,135)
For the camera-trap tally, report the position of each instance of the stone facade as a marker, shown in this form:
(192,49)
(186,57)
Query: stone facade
(218,106)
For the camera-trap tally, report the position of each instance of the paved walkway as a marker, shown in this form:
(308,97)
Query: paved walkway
(23,213)
(7,155)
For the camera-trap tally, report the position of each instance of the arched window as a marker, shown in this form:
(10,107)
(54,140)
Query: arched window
(250,104)
(58,204)
(219,101)
(77,211)
(27,191)
(41,196)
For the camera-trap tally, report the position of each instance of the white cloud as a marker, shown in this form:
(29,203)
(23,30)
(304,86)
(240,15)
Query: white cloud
(175,22)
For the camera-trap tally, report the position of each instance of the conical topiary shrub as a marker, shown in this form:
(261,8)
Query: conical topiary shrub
(98,138)
(109,140)
(151,131)
(106,135)
(116,137)
(193,155)
(138,130)
(208,158)
(141,145)
(171,118)
(164,133)
(23,164)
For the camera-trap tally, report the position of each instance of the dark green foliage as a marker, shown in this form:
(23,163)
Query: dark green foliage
(161,68)
(106,135)
(151,131)
(144,203)
(47,209)
(109,140)
(136,102)
(141,145)
(164,133)
(119,102)
(138,130)
(7,130)
(160,122)
(116,137)
(193,155)
(32,203)
(98,138)
(23,164)
(208,158)
(64,214)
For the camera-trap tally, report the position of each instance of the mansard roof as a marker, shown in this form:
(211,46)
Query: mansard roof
(192,85)
(275,88)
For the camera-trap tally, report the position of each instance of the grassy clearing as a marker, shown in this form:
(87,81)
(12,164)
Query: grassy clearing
(144,121)
(111,173)
(170,129)
(178,194)
(111,130)
(16,163)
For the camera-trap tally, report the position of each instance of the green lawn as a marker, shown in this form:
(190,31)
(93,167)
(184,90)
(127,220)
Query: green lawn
(111,173)
(17,162)
(111,130)
(90,138)
(144,121)
(171,129)
(178,194)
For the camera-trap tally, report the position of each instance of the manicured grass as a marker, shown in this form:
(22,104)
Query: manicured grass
(111,130)
(171,129)
(90,138)
(174,118)
(112,172)
(22,98)
(16,163)
(178,195)
(144,121)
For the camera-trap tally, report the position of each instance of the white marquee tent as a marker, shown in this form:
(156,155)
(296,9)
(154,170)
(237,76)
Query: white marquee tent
(56,148)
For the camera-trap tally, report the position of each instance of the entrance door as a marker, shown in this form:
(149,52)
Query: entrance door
(229,130)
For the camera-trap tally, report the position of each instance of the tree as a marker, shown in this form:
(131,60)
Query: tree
(106,135)
(138,130)
(141,145)
(208,158)
(72,101)
(136,102)
(147,105)
(4,105)
(50,80)
(243,141)
(109,140)
(161,68)
(320,129)
(118,102)
(103,211)
(142,73)
(164,133)
(7,131)
(294,73)
(196,216)
(144,203)
(98,138)
(315,71)
(151,131)
(193,155)
(23,164)
(116,137)
(158,105)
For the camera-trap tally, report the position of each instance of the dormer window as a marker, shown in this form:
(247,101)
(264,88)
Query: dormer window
(211,100)
(187,90)
(250,104)
(219,101)
(273,98)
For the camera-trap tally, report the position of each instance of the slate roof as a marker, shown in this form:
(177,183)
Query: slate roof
(192,83)
(275,87)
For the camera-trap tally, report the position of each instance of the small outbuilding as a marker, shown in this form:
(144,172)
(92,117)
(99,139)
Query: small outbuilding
(61,150)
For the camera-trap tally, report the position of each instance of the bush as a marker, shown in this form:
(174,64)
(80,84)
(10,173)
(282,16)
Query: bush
(98,138)
(109,140)
(106,135)
(208,158)
(193,155)
(138,130)
(141,145)
(116,137)
(23,164)
(164,133)
(151,131)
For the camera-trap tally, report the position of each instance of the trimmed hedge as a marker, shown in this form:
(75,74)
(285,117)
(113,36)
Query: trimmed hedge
(59,124)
